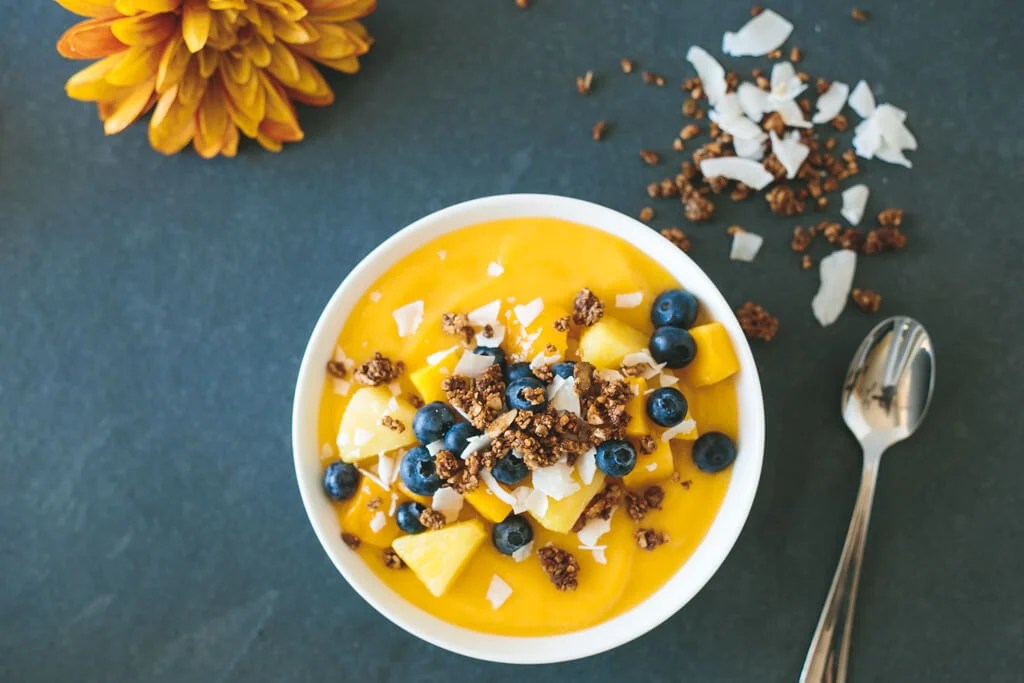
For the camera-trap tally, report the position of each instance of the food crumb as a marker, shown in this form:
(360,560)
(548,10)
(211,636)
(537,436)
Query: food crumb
(774,54)
(374,503)
(646,214)
(653,79)
(585,83)
(795,54)
(840,123)
(858,14)
(351,540)
(698,208)
(647,444)
(678,145)
(393,424)
(432,519)
(757,323)
(733,229)
(677,237)
(650,157)
(755,10)
(649,539)
(561,324)
(627,65)
(689,131)
(560,566)
(415,401)
(807,262)
(598,131)
(392,560)
(866,300)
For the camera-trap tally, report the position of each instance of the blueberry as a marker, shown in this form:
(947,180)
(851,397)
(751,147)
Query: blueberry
(510,470)
(713,452)
(457,437)
(512,534)
(515,398)
(407,516)
(340,480)
(519,371)
(673,346)
(418,472)
(616,458)
(564,369)
(674,308)
(493,351)
(666,406)
(432,421)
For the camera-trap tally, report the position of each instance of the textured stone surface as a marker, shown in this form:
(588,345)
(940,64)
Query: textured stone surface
(154,311)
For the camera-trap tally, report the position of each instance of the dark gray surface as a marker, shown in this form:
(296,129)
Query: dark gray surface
(154,312)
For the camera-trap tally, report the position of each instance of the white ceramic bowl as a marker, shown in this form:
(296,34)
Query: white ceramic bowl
(664,602)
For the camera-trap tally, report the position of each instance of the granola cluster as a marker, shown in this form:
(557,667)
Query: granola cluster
(756,322)
(457,325)
(587,309)
(378,370)
(601,505)
(560,566)
(481,399)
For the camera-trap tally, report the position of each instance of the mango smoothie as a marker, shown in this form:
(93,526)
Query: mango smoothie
(527,426)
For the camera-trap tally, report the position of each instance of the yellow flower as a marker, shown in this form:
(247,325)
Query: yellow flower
(211,68)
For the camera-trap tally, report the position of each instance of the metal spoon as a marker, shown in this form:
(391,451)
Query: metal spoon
(886,395)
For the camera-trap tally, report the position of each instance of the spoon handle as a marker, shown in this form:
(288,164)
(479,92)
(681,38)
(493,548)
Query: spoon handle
(829,653)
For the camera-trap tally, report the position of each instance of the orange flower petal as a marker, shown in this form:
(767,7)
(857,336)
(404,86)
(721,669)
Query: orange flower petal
(137,65)
(258,52)
(175,129)
(283,66)
(282,131)
(268,143)
(209,60)
(348,65)
(212,117)
(343,11)
(90,8)
(132,7)
(311,87)
(237,68)
(145,30)
(193,86)
(173,63)
(229,148)
(195,24)
(90,83)
(124,112)
(297,32)
(90,39)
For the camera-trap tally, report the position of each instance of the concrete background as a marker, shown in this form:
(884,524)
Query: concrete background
(154,310)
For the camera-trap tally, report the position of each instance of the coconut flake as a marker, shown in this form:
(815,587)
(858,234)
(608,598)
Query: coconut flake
(408,318)
(375,296)
(831,102)
(394,505)
(522,552)
(862,100)
(730,117)
(749,149)
(651,467)
(684,427)
(494,269)
(361,436)
(757,37)
(836,273)
(486,314)
(497,335)
(892,155)
(447,501)
(643,357)
(442,254)
(753,101)
(711,73)
(438,356)
(854,200)
(327,452)
(792,115)
(745,246)
(609,375)
(498,592)
(785,84)
(528,312)
(561,395)
(631,300)
(586,466)
(746,171)
(378,521)
(598,553)
(386,469)
(472,364)
(494,487)
(529,500)
(395,388)
(542,359)
(790,152)
(435,447)
(340,386)
(371,476)
(555,481)
(667,380)
(593,530)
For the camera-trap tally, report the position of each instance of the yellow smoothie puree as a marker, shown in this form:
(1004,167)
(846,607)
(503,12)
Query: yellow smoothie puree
(551,259)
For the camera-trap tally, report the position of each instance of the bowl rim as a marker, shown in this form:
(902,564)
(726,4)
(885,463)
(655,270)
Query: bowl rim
(679,589)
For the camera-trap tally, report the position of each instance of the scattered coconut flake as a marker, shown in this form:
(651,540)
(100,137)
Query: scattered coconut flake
(854,200)
(486,314)
(375,296)
(395,388)
(361,436)
(651,467)
(866,138)
(836,271)
(609,375)
(746,171)
(892,155)
(497,335)
(343,439)
(327,452)
(378,521)
(340,386)
(523,552)
(555,481)
(862,100)
(542,359)
(435,447)
(643,357)
(790,151)
(586,466)
(386,469)
(447,501)
(831,102)
(496,488)
(753,101)
(340,357)
(598,553)
(392,406)
(667,379)
(749,149)
(528,312)
(472,364)
(792,115)
(529,500)
(498,592)
(745,246)
(785,84)
(371,476)
(757,37)
(494,269)
(408,318)
(394,505)
(711,73)
(442,254)
(631,300)
(474,444)
(892,123)
(684,427)
(438,356)
(593,530)
(729,115)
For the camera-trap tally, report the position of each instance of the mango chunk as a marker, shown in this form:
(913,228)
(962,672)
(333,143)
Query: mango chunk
(490,507)
(525,342)
(438,557)
(637,408)
(361,434)
(606,343)
(373,526)
(652,468)
(716,359)
(561,515)
(427,379)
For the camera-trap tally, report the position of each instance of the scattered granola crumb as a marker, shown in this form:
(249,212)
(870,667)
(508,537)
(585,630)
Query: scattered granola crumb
(783,201)
(647,444)
(523,4)
(858,14)
(755,10)
(654,496)
(698,208)
(636,506)
(587,309)
(678,145)
(884,239)
(756,322)
(585,83)
(807,262)
(733,229)
(391,558)
(374,503)
(649,539)
(415,401)
(351,540)
(560,566)
(867,300)
(336,369)
(432,519)
(457,324)
(686,484)
(627,65)
(774,54)
(795,54)
(675,478)
(652,79)
(650,157)
(690,108)
(891,218)
(488,331)
(689,131)
(646,214)
(561,324)
(840,123)
(393,424)
(378,370)
(598,131)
